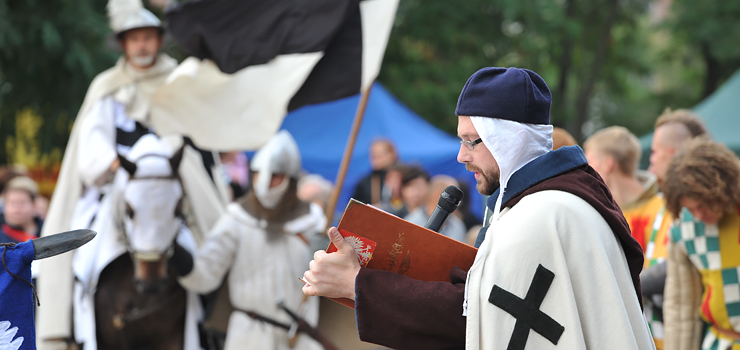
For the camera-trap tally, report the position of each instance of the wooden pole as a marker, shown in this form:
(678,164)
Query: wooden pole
(348,150)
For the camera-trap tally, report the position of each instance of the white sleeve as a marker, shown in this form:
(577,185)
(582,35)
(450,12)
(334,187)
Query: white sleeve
(97,142)
(214,258)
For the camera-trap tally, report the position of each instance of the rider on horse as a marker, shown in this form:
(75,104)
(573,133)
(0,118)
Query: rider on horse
(113,116)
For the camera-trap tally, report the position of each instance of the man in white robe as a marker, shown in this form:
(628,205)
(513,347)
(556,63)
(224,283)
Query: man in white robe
(113,116)
(556,269)
(262,242)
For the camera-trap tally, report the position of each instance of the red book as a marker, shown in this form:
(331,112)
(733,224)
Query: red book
(386,242)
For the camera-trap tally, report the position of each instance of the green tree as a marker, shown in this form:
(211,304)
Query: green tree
(604,60)
(710,31)
(51,50)
(574,44)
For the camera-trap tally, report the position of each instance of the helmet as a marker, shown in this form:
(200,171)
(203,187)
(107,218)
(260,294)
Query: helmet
(279,155)
(130,14)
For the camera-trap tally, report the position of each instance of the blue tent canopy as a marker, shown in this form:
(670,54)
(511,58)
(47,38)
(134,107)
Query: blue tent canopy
(322,130)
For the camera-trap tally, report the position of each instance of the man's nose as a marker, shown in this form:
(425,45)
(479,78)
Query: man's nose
(462,155)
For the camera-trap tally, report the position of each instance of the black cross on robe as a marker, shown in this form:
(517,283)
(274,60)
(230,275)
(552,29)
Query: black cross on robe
(527,311)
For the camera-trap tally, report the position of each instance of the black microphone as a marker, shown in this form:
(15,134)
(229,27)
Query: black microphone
(448,202)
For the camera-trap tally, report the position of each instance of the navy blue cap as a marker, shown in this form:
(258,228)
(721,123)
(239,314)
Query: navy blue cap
(514,94)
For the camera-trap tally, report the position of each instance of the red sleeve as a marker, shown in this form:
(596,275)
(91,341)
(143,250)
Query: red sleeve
(402,313)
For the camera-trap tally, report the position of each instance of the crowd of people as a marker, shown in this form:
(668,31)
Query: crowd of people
(684,212)
(409,192)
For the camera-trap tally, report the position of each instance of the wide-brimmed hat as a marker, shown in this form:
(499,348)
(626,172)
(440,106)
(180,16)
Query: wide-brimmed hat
(125,15)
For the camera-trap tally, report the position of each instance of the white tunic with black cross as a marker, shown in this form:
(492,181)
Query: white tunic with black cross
(553,277)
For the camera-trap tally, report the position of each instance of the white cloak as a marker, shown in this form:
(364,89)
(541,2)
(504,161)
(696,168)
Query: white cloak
(90,260)
(591,296)
(136,87)
(263,269)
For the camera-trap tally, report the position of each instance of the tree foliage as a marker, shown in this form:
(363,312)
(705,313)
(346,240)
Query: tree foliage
(599,57)
(51,51)
(709,30)
(607,62)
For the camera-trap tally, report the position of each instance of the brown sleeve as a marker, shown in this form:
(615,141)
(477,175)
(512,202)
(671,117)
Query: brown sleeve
(402,313)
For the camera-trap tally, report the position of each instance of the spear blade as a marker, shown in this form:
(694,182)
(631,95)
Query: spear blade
(59,243)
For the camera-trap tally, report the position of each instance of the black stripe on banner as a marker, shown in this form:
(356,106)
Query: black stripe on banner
(339,73)
(237,34)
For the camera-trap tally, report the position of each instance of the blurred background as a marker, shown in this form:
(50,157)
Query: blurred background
(608,62)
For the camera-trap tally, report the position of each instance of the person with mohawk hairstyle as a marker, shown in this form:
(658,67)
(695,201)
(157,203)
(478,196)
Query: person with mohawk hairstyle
(113,116)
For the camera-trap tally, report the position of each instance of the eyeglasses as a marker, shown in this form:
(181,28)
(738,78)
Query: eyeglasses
(471,144)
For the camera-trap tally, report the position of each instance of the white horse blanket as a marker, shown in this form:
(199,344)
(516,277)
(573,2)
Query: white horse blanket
(90,260)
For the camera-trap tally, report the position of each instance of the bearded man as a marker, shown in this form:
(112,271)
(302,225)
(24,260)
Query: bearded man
(556,269)
(113,116)
(262,242)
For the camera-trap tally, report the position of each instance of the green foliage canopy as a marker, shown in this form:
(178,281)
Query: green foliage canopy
(51,51)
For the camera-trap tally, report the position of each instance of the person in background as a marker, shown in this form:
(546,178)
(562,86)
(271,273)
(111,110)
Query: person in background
(6,174)
(41,204)
(262,243)
(371,189)
(114,115)
(561,137)
(454,227)
(614,153)
(315,189)
(414,187)
(393,183)
(236,172)
(19,222)
(672,130)
(702,189)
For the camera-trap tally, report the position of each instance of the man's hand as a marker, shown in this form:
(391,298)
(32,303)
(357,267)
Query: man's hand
(115,165)
(333,275)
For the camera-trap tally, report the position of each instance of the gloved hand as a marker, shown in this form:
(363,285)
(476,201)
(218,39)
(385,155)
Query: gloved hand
(181,260)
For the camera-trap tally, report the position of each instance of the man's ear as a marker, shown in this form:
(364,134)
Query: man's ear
(671,151)
(610,163)
(127,165)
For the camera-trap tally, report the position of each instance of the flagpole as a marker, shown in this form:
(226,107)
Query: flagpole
(348,150)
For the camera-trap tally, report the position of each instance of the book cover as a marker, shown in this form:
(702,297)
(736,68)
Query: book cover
(386,242)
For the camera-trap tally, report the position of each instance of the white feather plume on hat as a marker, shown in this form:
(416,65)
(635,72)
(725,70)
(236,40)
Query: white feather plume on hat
(130,14)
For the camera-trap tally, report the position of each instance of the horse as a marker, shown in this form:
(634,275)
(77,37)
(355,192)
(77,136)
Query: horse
(128,295)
